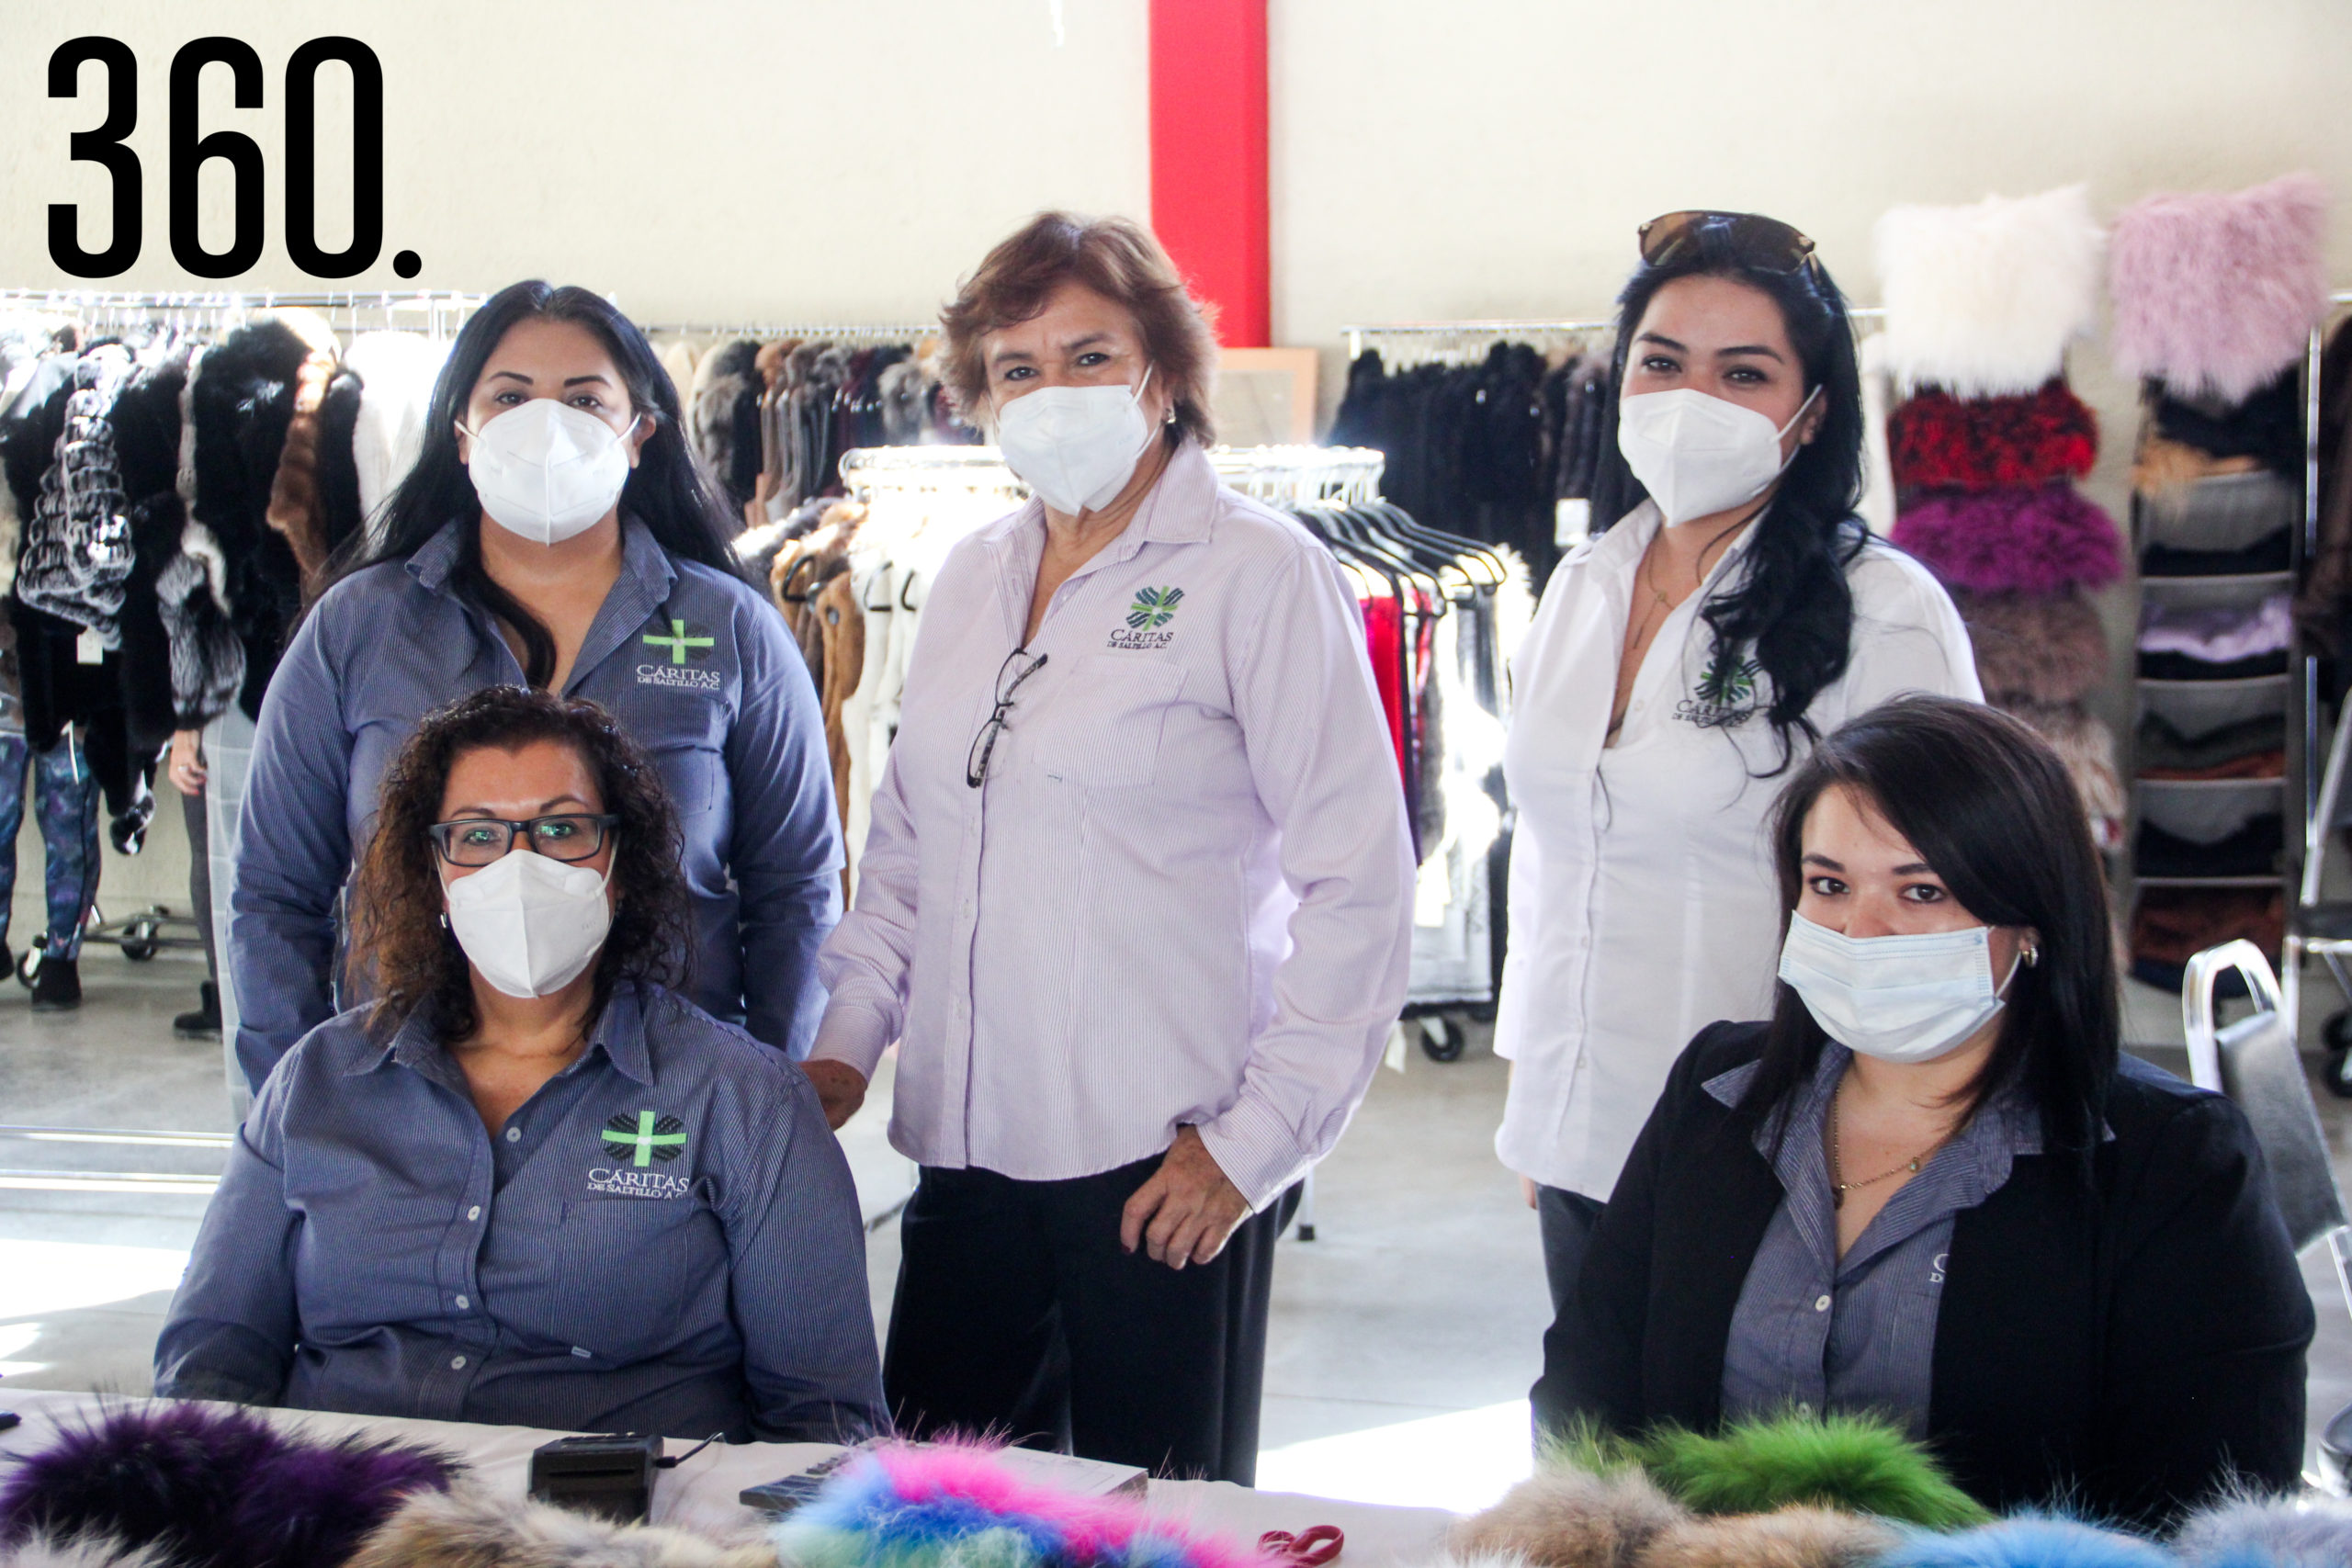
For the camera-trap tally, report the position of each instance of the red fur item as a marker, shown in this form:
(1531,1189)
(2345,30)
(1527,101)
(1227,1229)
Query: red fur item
(1937,441)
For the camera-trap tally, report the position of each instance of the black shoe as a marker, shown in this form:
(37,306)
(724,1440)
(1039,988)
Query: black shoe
(57,984)
(205,1019)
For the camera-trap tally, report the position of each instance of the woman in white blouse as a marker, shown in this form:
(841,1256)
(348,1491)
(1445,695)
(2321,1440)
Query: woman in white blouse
(1135,902)
(1736,610)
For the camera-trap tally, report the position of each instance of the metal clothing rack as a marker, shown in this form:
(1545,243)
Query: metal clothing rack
(433,312)
(770,331)
(2315,927)
(1459,337)
(1293,475)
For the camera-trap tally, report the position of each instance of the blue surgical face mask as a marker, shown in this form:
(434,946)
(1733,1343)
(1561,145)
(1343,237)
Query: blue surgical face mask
(1900,999)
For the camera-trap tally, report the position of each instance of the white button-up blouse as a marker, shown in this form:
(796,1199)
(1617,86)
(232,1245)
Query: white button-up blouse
(1181,896)
(1644,905)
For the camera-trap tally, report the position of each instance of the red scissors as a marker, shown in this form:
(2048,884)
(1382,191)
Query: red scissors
(1308,1548)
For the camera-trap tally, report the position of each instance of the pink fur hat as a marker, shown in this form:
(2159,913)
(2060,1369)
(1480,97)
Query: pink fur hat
(2217,292)
(2043,541)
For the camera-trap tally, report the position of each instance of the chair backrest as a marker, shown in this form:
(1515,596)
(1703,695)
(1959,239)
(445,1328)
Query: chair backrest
(2255,1063)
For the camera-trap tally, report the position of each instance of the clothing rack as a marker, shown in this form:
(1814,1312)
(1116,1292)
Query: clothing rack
(1485,333)
(770,332)
(1344,475)
(344,308)
(2321,929)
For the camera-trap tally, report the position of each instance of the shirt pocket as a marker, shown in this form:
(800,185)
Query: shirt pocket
(1108,721)
(630,1263)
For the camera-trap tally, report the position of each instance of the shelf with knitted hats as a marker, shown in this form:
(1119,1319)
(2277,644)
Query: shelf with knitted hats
(2215,297)
(1983,302)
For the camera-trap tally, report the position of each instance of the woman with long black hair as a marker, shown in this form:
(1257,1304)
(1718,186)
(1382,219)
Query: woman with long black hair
(554,534)
(1734,611)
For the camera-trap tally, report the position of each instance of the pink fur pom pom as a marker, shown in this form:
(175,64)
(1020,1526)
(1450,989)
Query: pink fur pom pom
(2013,541)
(2217,292)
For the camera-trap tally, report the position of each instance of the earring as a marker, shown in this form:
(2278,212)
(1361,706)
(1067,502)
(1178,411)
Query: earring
(2031,953)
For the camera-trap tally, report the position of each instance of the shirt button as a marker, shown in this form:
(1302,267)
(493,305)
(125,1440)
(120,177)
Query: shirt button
(969,907)
(514,1134)
(457,1363)
(1821,1303)
(474,1212)
(461,1304)
(1805,1407)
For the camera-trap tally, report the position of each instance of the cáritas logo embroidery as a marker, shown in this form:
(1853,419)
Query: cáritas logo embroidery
(684,649)
(1724,697)
(645,1138)
(1153,608)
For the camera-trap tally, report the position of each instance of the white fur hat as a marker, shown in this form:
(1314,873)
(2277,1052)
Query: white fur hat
(1983,300)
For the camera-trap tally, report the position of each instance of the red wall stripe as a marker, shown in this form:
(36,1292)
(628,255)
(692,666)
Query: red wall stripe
(1209,157)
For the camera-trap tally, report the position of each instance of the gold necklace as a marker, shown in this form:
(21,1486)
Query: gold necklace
(1837,1188)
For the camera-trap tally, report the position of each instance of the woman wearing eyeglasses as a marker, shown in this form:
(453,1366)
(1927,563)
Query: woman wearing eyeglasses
(528,1185)
(1734,610)
(1134,901)
(556,534)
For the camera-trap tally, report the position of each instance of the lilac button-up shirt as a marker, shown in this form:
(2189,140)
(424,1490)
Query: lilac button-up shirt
(1182,896)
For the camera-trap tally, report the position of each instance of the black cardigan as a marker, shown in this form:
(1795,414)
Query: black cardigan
(2121,1345)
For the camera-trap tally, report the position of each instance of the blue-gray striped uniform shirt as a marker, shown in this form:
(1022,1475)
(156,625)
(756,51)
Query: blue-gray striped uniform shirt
(664,1238)
(697,667)
(1855,1333)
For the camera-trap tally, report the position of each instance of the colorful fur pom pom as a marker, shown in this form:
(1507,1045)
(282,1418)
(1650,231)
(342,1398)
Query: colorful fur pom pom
(470,1529)
(1786,1538)
(1982,301)
(2215,293)
(1563,1517)
(1854,1463)
(2013,541)
(2267,1532)
(956,1507)
(1938,442)
(2028,1540)
(2036,649)
(215,1488)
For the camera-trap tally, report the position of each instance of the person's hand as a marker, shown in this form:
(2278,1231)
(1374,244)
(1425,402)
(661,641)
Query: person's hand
(186,767)
(1186,1212)
(841,1089)
(1527,1190)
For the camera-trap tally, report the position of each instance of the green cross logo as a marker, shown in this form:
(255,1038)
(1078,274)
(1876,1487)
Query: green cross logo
(1153,607)
(647,1138)
(679,644)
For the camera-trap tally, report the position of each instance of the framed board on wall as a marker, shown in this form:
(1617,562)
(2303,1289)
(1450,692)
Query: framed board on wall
(1265,397)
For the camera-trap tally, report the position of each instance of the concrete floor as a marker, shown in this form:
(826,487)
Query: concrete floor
(1403,1337)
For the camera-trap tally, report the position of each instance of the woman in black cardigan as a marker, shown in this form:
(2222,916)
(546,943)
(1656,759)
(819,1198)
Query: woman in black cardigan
(1930,1186)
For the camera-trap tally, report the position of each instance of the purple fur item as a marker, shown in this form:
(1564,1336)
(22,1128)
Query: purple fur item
(2040,541)
(2264,1532)
(2217,292)
(216,1488)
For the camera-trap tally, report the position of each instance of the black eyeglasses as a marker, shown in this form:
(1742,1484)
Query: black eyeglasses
(1756,240)
(1018,666)
(478,841)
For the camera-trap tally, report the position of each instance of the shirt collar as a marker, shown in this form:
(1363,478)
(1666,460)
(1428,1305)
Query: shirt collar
(1618,551)
(619,1035)
(2006,1127)
(1179,510)
(643,561)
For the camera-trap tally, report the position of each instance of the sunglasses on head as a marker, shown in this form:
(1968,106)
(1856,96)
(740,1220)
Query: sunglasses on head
(1757,241)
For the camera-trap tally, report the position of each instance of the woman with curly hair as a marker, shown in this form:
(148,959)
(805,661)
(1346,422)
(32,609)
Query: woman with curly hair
(529,1184)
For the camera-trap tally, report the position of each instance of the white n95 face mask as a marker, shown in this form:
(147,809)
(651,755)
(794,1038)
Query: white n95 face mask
(1699,455)
(1075,447)
(547,470)
(530,924)
(1899,998)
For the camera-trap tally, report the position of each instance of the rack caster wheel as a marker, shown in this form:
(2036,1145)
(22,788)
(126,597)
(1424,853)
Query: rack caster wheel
(2337,1075)
(1442,1039)
(139,943)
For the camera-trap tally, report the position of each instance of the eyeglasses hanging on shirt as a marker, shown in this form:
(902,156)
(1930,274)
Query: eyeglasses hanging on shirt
(1018,665)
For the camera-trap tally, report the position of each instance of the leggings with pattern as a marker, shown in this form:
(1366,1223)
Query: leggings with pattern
(66,800)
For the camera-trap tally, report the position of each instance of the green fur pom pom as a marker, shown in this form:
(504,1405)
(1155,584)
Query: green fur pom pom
(1858,1465)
